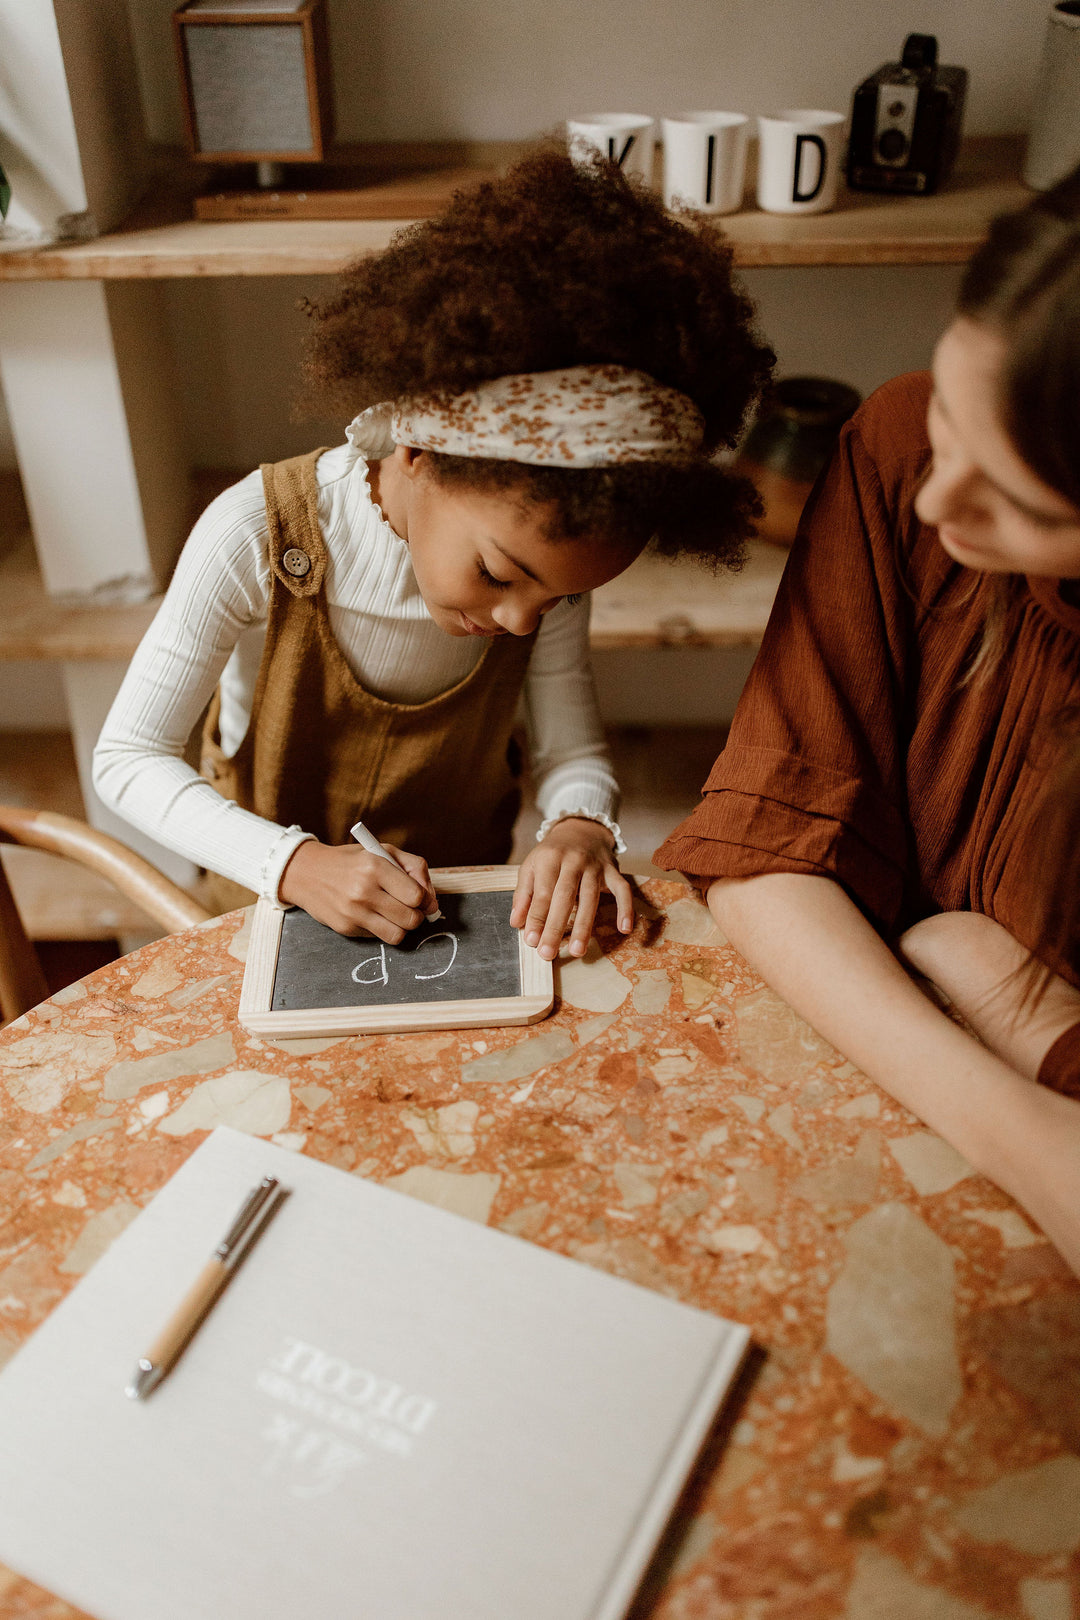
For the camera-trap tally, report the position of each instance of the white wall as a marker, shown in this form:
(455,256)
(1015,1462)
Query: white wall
(860,324)
(32,697)
(238,345)
(241,341)
(506,69)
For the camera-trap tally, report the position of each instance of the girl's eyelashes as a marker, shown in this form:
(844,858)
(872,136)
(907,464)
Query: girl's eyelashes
(489,578)
(503,584)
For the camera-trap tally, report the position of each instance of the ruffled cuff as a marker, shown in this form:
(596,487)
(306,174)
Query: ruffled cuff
(275,861)
(584,815)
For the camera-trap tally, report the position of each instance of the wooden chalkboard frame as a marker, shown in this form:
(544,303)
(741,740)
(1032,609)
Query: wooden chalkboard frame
(257,1014)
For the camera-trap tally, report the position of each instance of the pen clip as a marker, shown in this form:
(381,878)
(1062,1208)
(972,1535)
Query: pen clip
(226,1250)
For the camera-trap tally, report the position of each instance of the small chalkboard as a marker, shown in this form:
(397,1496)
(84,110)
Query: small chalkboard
(467,970)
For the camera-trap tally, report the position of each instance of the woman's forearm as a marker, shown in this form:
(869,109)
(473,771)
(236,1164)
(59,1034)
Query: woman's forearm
(811,943)
(982,970)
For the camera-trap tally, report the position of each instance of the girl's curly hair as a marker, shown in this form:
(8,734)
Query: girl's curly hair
(554,265)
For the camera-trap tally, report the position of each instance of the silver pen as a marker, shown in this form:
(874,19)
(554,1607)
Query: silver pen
(252,1219)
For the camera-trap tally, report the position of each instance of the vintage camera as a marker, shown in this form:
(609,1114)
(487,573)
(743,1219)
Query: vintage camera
(905,122)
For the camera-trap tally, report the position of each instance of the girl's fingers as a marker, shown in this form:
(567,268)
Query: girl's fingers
(416,869)
(522,896)
(357,921)
(395,907)
(623,894)
(563,901)
(539,907)
(390,911)
(387,932)
(588,897)
(366,880)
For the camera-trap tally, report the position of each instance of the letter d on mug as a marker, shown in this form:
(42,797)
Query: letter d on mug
(799,160)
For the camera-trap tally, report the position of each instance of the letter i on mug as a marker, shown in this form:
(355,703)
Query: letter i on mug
(626,138)
(705,160)
(799,160)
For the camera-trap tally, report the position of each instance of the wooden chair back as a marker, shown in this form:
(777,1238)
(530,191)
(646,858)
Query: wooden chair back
(22,982)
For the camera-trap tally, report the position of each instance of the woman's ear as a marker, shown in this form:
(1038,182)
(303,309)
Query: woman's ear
(409,459)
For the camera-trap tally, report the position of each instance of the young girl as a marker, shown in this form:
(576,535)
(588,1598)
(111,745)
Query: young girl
(538,380)
(902,779)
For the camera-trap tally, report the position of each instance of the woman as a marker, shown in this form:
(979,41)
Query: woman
(901,787)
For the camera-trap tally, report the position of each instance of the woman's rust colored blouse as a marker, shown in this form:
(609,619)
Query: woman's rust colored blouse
(858,751)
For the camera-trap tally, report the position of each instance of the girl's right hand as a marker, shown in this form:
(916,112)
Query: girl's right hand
(349,890)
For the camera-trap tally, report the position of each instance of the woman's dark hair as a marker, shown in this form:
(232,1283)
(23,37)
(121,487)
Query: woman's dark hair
(1024,284)
(554,265)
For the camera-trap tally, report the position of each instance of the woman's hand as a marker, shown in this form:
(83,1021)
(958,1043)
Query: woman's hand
(349,890)
(980,967)
(569,870)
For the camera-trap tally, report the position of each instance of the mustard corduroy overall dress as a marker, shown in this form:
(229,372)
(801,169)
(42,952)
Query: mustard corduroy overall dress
(320,752)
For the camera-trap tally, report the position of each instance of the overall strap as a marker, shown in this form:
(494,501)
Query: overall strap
(297,552)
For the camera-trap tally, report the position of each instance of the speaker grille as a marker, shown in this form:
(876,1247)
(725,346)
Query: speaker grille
(249,88)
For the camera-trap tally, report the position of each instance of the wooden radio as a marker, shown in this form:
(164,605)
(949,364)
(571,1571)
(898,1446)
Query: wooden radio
(255,78)
(255,83)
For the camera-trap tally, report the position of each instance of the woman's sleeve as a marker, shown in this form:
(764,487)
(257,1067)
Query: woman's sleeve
(812,777)
(219,590)
(568,754)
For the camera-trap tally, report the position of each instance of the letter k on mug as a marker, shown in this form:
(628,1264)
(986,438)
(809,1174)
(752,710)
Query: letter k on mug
(801,150)
(626,138)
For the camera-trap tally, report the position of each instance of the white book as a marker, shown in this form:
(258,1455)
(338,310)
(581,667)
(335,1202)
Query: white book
(391,1413)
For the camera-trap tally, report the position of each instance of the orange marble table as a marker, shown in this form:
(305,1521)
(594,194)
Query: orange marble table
(908,1448)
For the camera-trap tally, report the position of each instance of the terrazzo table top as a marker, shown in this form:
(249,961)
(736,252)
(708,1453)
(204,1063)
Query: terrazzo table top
(906,1448)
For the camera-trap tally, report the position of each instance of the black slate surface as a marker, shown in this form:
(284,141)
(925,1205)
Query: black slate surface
(318,968)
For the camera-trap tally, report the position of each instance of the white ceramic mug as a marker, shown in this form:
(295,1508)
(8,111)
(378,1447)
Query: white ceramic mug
(626,138)
(799,160)
(1054,141)
(705,160)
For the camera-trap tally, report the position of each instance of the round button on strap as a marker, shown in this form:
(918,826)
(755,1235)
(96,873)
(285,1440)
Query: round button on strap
(296,562)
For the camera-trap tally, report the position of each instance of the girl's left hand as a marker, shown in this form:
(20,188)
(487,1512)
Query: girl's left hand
(571,868)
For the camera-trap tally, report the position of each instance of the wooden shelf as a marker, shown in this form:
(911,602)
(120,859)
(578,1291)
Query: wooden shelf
(654,604)
(35,625)
(662,604)
(162,240)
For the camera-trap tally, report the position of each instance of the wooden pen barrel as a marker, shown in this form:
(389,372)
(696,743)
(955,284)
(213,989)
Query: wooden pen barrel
(188,1314)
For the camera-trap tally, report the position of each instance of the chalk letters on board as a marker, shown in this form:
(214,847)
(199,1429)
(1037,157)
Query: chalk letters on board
(381,973)
(468,970)
(470,952)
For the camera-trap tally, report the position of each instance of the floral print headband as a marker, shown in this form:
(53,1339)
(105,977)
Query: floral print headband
(580,416)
